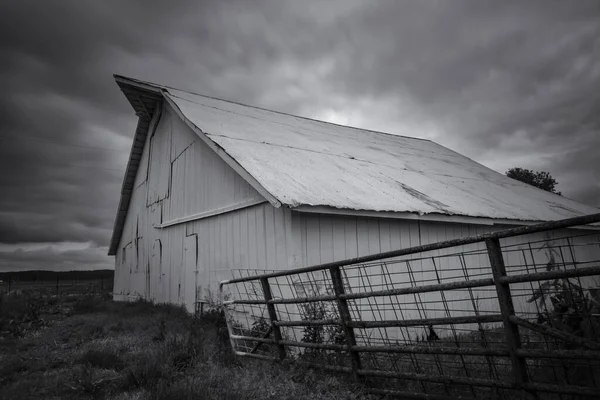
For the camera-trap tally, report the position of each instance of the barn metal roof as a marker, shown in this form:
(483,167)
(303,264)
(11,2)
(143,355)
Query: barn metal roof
(303,163)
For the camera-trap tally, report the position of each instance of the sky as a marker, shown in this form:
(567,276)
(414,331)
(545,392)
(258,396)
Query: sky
(506,83)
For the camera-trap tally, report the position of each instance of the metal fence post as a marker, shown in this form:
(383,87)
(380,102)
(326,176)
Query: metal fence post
(338,287)
(273,316)
(511,330)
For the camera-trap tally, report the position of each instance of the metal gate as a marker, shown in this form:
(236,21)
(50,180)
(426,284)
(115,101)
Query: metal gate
(508,314)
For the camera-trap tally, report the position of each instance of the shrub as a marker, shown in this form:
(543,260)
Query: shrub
(260,327)
(565,305)
(214,316)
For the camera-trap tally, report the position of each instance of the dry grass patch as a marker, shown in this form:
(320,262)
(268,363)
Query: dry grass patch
(129,351)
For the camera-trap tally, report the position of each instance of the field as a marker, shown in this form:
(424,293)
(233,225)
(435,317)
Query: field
(57,283)
(75,346)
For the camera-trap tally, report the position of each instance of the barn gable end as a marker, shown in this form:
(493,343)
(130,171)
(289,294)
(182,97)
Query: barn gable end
(185,198)
(181,179)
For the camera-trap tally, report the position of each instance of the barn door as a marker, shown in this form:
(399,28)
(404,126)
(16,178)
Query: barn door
(190,272)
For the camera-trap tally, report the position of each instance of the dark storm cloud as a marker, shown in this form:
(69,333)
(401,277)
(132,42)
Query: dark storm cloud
(487,74)
(61,114)
(59,101)
(506,83)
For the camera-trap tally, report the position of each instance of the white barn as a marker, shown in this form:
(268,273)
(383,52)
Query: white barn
(214,186)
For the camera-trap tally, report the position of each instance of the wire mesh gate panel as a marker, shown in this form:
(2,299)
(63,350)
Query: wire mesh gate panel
(510,314)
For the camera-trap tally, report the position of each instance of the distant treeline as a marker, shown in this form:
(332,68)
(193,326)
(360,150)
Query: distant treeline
(32,276)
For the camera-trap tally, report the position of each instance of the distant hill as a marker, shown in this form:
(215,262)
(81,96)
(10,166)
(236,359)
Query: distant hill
(32,276)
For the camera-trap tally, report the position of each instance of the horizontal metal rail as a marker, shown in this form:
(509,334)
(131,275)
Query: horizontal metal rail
(571,273)
(447,379)
(481,351)
(377,293)
(431,321)
(310,322)
(254,355)
(253,339)
(522,230)
(562,354)
(326,367)
(549,331)
(558,274)
(397,323)
(465,351)
(458,351)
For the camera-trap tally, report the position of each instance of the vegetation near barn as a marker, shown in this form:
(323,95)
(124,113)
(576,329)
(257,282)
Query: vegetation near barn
(540,179)
(88,347)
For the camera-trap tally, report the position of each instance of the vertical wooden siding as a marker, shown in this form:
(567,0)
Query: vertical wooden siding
(179,176)
(200,179)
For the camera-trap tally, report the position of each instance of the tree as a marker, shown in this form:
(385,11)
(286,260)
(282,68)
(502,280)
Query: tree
(540,179)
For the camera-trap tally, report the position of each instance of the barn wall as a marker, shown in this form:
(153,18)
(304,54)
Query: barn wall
(320,238)
(180,176)
(201,180)
(242,242)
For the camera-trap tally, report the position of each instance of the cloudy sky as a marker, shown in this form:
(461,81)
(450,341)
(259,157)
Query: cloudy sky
(505,83)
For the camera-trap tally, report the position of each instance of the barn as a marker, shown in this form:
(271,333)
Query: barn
(215,188)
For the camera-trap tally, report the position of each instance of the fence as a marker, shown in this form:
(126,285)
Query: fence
(57,285)
(509,314)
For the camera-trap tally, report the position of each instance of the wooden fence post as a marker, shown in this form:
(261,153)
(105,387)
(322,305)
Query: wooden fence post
(338,287)
(273,317)
(513,340)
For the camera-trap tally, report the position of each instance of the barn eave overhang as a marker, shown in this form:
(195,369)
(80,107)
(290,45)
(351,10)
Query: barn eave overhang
(430,217)
(147,103)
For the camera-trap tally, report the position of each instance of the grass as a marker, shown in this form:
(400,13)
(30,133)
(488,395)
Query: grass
(89,347)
